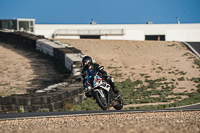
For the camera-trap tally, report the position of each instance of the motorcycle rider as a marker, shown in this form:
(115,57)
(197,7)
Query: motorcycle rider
(90,67)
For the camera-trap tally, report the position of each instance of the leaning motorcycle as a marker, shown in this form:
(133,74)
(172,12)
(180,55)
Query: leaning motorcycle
(102,92)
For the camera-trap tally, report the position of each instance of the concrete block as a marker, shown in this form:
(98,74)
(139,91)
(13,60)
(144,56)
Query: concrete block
(66,94)
(62,84)
(61,96)
(65,84)
(55,86)
(62,104)
(68,100)
(69,80)
(77,64)
(76,85)
(40,91)
(51,107)
(74,99)
(27,101)
(44,99)
(55,98)
(80,90)
(36,100)
(81,97)
(2,108)
(21,108)
(0,99)
(18,100)
(59,54)
(44,106)
(49,89)
(75,77)
(75,92)
(76,71)
(7,100)
(57,105)
(12,107)
(28,109)
(49,99)
(35,108)
(73,57)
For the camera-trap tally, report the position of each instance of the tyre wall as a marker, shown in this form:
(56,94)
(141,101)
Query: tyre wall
(54,97)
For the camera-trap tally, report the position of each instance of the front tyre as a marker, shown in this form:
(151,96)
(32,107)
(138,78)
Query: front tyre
(102,102)
(119,105)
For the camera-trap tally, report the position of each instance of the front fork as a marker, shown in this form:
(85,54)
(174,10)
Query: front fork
(111,97)
(100,91)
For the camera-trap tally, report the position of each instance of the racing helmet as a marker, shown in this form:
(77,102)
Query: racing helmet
(87,59)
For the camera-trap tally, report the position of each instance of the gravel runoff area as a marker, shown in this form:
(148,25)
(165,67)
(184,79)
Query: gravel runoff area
(165,122)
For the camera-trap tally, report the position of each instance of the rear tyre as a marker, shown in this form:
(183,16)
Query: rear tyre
(119,105)
(102,102)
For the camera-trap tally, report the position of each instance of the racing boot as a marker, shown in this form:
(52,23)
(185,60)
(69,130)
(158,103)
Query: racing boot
(116,91)
(112,84)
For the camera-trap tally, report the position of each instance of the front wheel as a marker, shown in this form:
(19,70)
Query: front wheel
(119,105)
(101,101)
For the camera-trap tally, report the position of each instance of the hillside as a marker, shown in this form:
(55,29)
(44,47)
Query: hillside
(170,63)
(134,59)
(158,72)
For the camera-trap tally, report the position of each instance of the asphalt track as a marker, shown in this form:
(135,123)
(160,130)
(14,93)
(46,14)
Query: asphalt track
(12,116)
(195,45)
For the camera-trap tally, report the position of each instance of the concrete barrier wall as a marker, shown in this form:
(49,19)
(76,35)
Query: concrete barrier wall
(54,97)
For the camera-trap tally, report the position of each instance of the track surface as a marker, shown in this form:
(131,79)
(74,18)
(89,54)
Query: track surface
(195,45)
(11,116)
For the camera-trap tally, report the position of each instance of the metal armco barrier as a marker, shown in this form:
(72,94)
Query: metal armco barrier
(53,97)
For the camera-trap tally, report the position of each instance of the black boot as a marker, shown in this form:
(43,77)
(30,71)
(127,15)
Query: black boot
(112,84)
(116,91)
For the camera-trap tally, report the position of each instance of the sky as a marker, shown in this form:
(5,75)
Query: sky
(102,11)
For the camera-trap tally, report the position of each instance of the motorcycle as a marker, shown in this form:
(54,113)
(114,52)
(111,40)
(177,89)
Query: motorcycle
(102,92)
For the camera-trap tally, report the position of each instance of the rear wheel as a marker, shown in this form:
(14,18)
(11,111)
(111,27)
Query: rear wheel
(119,105)
(101,101)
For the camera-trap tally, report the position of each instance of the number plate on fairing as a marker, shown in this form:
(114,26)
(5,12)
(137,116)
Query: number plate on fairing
(105,86)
